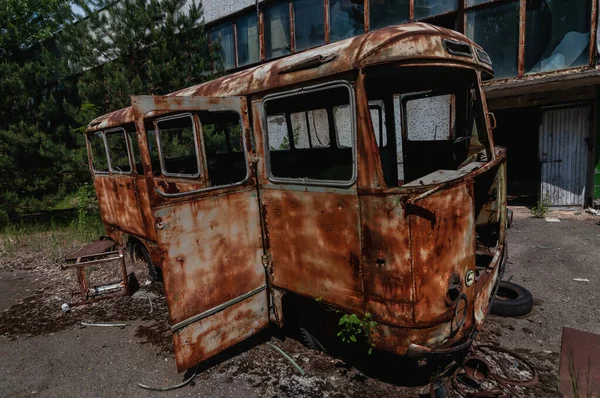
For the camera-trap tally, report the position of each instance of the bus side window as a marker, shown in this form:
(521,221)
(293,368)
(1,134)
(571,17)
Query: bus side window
(118,151)
(223,139)
(98,152)
(177,146)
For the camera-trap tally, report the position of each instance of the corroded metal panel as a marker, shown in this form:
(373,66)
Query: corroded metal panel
(210,243)
(211,251)
(387,267)
(442,229)
(314,241)
(119,203)
(205,338)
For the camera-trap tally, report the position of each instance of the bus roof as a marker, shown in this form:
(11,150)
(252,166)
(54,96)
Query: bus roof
(413,43)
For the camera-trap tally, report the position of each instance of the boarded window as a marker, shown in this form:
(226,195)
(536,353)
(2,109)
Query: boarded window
(496,28)
(346,19)
(430,118)
(309,23)
(306,150)
(388,12)
(177,146)
(557,34)
(343,124)
(247,39)
(98,152)
(224,148)
(277,30)
(117,150)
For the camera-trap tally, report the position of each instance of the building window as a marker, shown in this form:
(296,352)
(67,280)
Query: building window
(346,19)
(223,36)
(496,29)
(388,12)
(430,8)
(277,30)
(557,34)
(309,23)
(247,39)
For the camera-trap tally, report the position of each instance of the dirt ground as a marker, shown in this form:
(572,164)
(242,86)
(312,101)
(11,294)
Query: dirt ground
(46,353)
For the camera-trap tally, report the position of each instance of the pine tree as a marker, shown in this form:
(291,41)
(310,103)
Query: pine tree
(133,47)
(36,160)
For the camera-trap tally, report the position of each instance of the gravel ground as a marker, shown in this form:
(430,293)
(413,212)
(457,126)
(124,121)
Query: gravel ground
(47,353)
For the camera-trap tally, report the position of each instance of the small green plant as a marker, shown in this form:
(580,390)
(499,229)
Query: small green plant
(354,328)
(542,208)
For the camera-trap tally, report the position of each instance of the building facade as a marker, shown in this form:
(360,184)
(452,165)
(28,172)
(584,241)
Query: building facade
(544,52)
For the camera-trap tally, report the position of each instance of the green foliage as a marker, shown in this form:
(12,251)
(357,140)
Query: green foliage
(87,208)
(542,208)
(135,47)
(354,328)
(40,159)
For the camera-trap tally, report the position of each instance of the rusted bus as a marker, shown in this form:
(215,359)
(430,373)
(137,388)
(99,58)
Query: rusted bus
(315,187)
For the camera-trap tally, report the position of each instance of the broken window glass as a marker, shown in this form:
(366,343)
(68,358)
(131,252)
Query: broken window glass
(177,146)
(496,29)
(117,150)
(222,35)
(384,13)
(346,19)
(312,155)
(247,39)
(309,23)
(278,133)
(430,118)
(277,30)
(430,8)
(223,147)
(557,34)
(98,152)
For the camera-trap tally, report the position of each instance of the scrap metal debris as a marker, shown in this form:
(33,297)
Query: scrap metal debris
(170,388)
(286,356)
(107,325)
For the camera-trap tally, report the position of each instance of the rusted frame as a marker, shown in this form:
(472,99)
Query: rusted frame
(522,21)
(326,22)
(310,182)
(180,325)
(145,106)
(411,11)
(593,32)
(292,27)
(366,16)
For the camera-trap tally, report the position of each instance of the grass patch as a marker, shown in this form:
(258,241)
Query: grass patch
(49,241)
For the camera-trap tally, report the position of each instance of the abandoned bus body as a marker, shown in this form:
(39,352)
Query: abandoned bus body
(361,173)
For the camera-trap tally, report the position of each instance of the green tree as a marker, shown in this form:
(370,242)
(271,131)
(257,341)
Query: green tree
(36,158)
(134,47)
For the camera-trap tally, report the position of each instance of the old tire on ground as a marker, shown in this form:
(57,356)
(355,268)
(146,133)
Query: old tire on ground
(512,300)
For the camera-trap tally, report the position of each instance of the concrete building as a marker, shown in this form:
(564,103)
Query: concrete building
(544,52)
